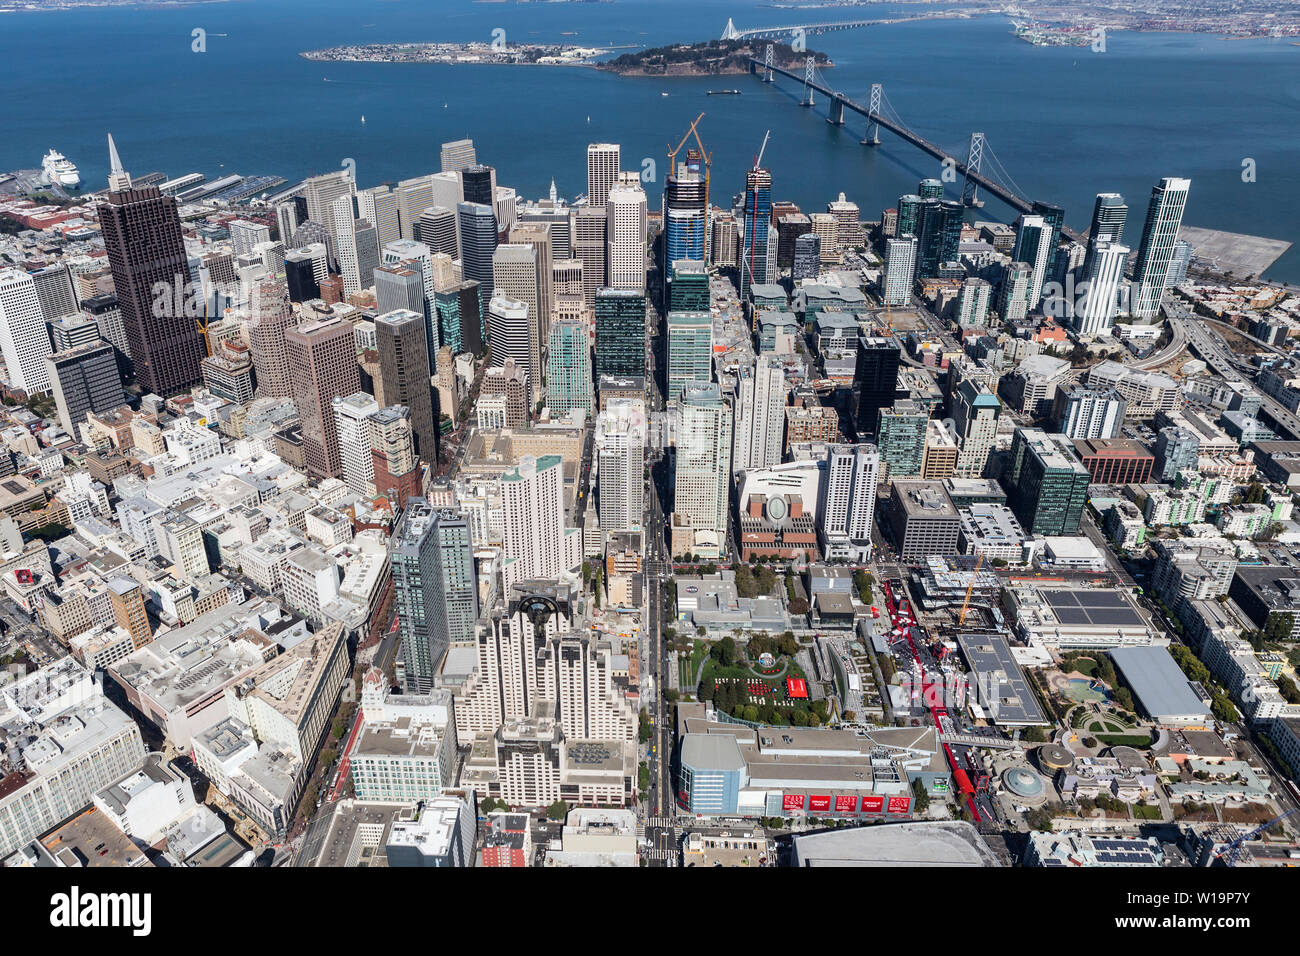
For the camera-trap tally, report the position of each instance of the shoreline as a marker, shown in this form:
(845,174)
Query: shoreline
(620,59)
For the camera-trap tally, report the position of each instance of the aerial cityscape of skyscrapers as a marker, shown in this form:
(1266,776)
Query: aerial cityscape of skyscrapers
(675,523)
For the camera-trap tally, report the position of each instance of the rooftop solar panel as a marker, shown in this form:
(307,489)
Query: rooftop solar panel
(1119,615)
(1072,615)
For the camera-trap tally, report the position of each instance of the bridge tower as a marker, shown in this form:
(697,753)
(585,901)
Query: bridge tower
(873,109)
(730,32)
(768,57)
(837,111)
(809,72)
(974,156)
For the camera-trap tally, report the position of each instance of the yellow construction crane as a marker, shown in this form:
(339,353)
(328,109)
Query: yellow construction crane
(705,157)
(202,324)
(965,605)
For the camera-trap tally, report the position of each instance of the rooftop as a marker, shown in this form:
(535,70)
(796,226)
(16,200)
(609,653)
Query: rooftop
(940,843)
(1158,683)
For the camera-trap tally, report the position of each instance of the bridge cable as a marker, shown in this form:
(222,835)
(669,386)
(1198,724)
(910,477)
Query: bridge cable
(1005,177)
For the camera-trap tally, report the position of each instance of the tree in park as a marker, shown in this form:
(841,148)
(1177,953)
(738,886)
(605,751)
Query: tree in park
(724,652)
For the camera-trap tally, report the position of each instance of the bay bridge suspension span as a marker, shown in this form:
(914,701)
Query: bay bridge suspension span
(732,32)
(981,169)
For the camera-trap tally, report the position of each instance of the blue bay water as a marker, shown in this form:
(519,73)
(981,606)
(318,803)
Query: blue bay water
(1065,123)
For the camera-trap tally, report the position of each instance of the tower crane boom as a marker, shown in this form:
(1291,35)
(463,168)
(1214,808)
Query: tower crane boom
(965,605)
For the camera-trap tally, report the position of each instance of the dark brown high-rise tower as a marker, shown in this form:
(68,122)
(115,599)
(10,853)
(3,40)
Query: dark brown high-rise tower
(404,369)
(146,251)
(322,367)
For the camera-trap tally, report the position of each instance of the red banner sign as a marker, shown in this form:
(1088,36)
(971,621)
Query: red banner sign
(792,801)
(846,803)
(900,804)
(817,802)
(873,804)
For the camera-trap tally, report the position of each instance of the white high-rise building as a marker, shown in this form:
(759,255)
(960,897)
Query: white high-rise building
(1159,234)
(1034,246)
(1099,302)
(1083,412)
(528,661)
(505,203)
(773,263)
(417,256)
(900,266)
(534,540)
(703,470)
(379,205)
(538,235)
(759,415)
(412,251)
(516,275)
(24,336)
(973,303)
(620,464)
(286,221)
(414,196)
(848,221)
(320,260)
(456,155)
(245,235)
(320,193)
(602,171)
(343,229)
(848,504)
(351,419)
(509,329)
(975,419)
(625,217)
(272,256)
(1014,300)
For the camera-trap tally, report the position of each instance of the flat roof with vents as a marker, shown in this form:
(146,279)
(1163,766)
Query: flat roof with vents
(1000,688)
(1092,607)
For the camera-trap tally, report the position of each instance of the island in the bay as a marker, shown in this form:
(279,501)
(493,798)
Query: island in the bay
(714,58)
(542,54)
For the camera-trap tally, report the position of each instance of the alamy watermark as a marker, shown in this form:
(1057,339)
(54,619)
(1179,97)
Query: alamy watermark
(76,909)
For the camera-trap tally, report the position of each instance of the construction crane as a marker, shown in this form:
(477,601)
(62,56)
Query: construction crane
(758,160)
(202,324)
(965,605)
(751,228)
(705,158)
(705,155)
(1229,853)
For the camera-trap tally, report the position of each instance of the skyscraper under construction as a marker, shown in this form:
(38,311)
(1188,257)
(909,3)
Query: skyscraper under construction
(758,216)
